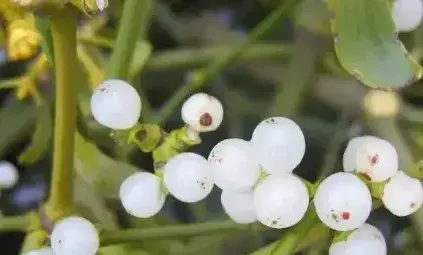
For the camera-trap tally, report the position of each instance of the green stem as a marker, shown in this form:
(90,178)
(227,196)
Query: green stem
(14,223)
(135,20)
(221,62)
(292,238)
(183,58)
(182,230)
(63,28)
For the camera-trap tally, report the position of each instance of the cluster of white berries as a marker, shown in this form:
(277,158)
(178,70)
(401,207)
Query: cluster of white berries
(256,176)
(9,175)
(407,14)
(186,176)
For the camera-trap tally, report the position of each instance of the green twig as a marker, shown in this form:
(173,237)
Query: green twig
(188,57)
(63,27)
(178,231)
(221,62)
(135,20)
(14,223)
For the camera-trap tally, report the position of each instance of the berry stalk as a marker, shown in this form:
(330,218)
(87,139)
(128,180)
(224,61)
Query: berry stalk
(63,28)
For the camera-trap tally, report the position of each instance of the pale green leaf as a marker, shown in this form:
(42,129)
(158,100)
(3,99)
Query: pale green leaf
(367,44)
(97,169)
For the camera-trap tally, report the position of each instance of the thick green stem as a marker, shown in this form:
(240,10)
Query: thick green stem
(183,230)
(63,28)
(221,62)
(14,223)
(135,20)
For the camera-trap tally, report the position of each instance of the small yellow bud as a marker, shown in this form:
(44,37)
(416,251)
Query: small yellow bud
(23,40)
(379,103)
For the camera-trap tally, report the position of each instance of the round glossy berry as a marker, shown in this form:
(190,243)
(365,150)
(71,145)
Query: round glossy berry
(74,235)
(116,104)
(402,195)
(407,14)
(280,201)
(142,195)
(187,176)
(8,174)
(377,159)
(366,240)
(234,165)
(343,202)
(279,144)
(202,112)
(239,206)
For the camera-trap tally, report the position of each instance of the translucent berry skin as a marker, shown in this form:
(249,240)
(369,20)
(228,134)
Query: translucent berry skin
(74,235)
(239,206)
(280,201)
(116,104)
(188,177)
(142,195)
(9,175)
(343,202)
(234,165)
(366,240)
(202,112)
(403,195)
(350,154)
(279,144)
(407,14)
(43,251)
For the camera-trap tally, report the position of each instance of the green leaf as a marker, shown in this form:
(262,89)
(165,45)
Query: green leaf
(341,236)
(47,45)
(142,53)
(16,120)
(367,44)
(92,205)
(97,169)
(41,138)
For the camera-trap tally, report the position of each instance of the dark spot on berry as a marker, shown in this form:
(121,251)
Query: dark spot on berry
(412,204)
(102,89)
(219,160)
(206,119)
(274,222)
(335,217)
(374,160)
(345,215)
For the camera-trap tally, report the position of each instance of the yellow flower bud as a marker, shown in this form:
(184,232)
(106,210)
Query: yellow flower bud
(379,103)
(23,40)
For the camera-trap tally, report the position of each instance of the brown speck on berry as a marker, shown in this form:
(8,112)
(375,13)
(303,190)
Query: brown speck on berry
(335,217)
(374,159)
(206,119)
(412,204)
(345,215)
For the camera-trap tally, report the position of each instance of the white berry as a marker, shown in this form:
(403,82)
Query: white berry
(377,159)
(403,195)
(142,195)
(280,201)
(239,206)
(42,251)
(234,165)
(74,235)
(407,14)
(202,112)
(116,104)
(8,174)
(366,240)
(279,144)
(343,202)
(187,176)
